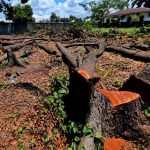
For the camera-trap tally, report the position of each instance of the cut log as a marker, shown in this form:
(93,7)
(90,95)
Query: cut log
(143,47)
(81,44)
(48,50)
(115,114)
(22,38)
(18,45)
(138,55)
(7,43)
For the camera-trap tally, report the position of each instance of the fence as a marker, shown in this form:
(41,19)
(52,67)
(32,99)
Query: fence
(16,28)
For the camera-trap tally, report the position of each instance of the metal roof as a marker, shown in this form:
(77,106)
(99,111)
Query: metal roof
(128,11)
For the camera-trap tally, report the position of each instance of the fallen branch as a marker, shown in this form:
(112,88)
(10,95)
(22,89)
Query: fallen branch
(68,58)
(139,55)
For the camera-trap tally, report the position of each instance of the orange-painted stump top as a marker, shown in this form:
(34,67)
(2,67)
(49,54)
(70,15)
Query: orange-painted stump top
(84,74)
(117,144)
(119,97)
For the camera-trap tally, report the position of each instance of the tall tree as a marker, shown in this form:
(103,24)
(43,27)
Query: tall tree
(101,8)
(22,13)
(7,9)
(139,3)
(54,17)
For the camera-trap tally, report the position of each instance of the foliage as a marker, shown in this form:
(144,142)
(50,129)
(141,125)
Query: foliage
(69,128)
(108,21)
(3,64)
(144,29)
(54,17)
(77,23)
(7,9)
(88,25)
(102,8)
(22,14)
(129,19)
(147,111)
(141,18)
(139,3)
(117,83)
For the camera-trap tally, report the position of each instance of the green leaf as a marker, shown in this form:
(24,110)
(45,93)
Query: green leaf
(87,130)
(147,111)
(62,91)
(77,139)
(98,135)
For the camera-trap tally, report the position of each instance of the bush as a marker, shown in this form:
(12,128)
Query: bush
(144,29)
(141,19)
(129,20)
(88,25)
(108,21)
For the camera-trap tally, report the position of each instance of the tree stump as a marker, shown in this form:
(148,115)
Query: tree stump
(114,113)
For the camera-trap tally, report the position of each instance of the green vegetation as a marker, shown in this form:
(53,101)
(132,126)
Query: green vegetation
(3,64)
(22,13)
(69,128)
(147,111)
(131,30)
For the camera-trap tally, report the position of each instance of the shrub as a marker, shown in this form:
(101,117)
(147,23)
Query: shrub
(141,19)
(108,21)
(88,25)
(144,30)
(129,20)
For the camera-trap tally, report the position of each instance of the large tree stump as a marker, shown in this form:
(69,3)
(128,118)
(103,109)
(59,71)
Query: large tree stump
(114,113)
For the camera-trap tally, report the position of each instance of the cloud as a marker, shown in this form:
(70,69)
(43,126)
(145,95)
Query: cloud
(42,9)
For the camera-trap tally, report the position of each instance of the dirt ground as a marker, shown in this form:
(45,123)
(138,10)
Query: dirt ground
(22,120)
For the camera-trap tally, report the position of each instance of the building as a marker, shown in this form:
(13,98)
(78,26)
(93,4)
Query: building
(123,15)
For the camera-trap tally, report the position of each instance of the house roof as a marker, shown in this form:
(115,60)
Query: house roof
(128,11)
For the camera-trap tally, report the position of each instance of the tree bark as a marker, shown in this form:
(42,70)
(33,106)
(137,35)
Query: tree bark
(140,84)
(13,60)
(18,45)
(87,105)
(22,54)
(139,55)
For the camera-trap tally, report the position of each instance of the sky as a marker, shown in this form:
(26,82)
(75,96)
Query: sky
(42,9)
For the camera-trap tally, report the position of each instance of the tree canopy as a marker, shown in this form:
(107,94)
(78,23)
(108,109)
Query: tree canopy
(22,13)
(139,3)
(7,9)
(101,8)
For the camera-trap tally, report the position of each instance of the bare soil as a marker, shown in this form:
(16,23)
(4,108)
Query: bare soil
(23,121)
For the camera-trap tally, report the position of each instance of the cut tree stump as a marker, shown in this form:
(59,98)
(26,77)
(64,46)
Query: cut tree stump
(140,84)
(115,114)
(21,54)
(13,60)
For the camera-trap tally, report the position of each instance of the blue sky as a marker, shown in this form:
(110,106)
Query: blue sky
(64,8)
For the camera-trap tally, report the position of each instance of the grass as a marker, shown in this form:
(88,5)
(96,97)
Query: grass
(130,30)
